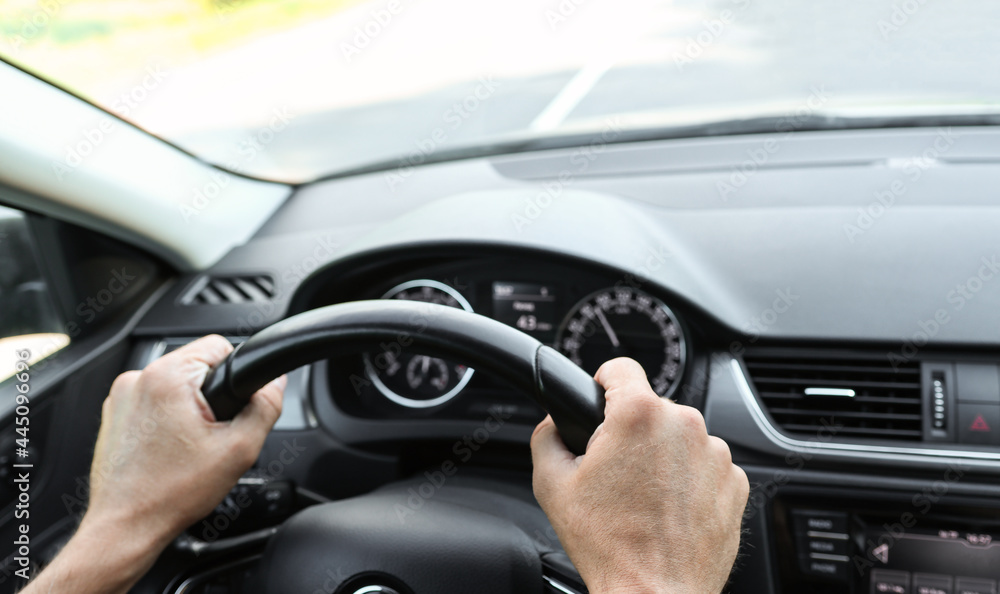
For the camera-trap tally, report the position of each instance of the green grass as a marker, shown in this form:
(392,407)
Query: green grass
(88,46)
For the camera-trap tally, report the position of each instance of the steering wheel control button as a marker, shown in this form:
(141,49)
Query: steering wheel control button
(979,423)
(924,583)
(965,585)
(884,581)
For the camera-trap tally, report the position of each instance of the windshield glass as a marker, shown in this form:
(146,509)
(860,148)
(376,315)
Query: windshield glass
(297,89)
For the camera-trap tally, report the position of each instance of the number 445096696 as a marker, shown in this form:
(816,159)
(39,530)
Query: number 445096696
(21,368)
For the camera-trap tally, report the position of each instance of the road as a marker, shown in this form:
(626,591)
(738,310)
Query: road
(385,77)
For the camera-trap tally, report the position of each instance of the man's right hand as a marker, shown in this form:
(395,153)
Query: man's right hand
(655,504)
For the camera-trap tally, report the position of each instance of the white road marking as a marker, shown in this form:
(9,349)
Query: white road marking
(570,96)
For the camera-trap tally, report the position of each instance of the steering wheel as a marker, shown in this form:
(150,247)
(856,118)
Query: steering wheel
(458,535)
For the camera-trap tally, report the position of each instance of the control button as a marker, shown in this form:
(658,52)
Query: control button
(977,382)
(964,585)
(978,423)
(823,521)
(926,583)
(889,582)
(939,402)
(834,569)
(827,546)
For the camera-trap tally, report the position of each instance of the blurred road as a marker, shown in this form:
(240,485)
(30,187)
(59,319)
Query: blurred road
(389,76)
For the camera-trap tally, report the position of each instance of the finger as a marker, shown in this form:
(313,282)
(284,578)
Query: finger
(721,449)
(210,350)
(598,431)
(630,400)
(191,363)
(262,412)
(551,460)
(624,378)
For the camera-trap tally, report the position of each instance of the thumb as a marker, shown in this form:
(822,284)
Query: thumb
(553,463)
(263,410)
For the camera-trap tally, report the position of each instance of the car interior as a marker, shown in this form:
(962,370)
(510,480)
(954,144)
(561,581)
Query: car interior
(824,287)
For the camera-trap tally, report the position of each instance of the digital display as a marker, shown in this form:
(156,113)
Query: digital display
(942,561)
(525,306)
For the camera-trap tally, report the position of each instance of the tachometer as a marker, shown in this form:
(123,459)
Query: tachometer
(625,322)
(411,379)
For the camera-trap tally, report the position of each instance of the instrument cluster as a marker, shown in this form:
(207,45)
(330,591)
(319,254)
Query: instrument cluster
(589,317)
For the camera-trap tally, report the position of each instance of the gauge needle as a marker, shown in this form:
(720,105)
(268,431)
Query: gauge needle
(607,328)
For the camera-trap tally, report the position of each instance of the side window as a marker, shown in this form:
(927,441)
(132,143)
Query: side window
(28,319)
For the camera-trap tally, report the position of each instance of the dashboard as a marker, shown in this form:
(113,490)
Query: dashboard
(846,372)
(856,378)
(841,372)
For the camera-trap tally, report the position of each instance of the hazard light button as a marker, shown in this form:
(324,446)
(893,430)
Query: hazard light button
(978,423)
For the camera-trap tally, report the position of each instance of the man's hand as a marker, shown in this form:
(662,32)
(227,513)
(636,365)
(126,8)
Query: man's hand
(655,504)
(161,463)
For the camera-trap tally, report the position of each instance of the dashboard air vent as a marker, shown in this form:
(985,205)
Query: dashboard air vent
(257,288)
(843,396)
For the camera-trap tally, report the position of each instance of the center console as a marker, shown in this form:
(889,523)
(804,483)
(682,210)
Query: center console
(920,546)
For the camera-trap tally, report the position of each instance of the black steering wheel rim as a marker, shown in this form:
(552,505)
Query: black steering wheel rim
(569,394)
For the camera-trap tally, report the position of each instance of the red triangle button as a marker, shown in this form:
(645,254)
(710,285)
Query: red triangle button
(980,424)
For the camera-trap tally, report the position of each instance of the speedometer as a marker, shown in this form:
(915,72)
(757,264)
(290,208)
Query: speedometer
(625,322)
(412,379)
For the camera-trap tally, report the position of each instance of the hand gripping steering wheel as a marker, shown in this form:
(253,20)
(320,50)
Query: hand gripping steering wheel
(468,537)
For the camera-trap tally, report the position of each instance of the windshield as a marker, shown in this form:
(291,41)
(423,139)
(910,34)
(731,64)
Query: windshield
(297,89)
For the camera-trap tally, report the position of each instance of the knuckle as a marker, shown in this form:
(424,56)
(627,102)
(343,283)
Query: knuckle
(642,410)
(722,450)
(216,344)
(740,486)
(125,381)
(691,420)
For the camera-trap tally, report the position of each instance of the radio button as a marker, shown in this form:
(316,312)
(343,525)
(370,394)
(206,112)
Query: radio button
(964,585)
(889,582)
(925,583)
(827,546)
(819,521)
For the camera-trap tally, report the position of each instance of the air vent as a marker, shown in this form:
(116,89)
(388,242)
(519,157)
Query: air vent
(847,397)
(230,289)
